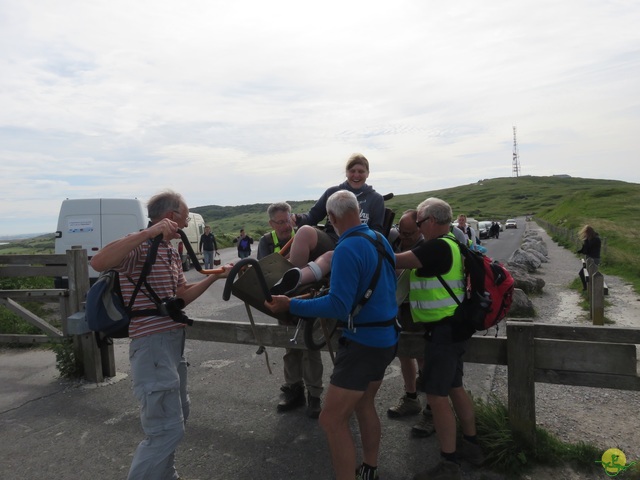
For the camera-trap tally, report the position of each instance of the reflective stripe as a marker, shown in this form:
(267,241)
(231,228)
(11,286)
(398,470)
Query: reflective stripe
(429,299)
(276,242)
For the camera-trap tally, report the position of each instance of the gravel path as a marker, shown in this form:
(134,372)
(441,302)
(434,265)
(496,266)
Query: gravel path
(604,417)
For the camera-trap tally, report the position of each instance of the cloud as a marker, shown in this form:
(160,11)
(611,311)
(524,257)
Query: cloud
(236,103)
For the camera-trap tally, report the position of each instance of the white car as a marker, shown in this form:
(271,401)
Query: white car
(511,223)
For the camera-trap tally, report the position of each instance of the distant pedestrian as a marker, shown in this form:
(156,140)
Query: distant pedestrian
(591,245)
(244,242)
(208,247)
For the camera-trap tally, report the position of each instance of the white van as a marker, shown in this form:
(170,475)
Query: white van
(91,223)
(193,230)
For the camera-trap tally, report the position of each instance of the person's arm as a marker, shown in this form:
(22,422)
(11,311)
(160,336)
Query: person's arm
(201,241)
(376,212)
(215,245)
(112,254)
(317,213)
(190,291)
(263,248)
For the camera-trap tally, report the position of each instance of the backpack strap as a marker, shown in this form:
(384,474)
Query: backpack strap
(382,253)
(146,270)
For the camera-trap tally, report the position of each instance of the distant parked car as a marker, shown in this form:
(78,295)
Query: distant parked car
(483,229)
(511,223)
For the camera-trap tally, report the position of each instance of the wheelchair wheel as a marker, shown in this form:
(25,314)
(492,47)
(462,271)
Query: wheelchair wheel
(314,337)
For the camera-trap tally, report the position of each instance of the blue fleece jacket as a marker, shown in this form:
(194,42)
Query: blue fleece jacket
(352,268)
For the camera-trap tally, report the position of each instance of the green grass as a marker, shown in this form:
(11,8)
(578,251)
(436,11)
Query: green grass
(510,455)
(560,205)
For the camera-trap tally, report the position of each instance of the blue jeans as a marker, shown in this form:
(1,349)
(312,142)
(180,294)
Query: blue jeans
(207,259)
(159,373)
(244,253)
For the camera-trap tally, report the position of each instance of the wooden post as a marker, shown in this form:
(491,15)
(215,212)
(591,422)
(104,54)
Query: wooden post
(597,300)
(521,383)
(87,353)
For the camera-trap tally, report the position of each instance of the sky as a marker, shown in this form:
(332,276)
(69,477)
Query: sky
(242,102)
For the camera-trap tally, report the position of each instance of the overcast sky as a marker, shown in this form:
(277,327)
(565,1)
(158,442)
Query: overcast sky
(238,102)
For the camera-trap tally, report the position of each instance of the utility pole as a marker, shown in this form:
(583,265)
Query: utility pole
(515,166)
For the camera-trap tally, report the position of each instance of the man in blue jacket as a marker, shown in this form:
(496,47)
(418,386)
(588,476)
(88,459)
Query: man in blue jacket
(369,339)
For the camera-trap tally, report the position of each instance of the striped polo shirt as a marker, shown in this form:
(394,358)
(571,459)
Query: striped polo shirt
(165,278)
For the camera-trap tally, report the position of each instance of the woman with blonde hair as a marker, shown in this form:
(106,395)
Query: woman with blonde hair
(591,245)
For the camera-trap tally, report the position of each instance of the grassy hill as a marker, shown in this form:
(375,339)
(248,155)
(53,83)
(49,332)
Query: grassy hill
(566,204)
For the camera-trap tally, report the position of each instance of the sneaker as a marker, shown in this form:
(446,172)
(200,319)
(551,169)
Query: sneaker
(445,470)
(313,406)
(292,397)
(424,427)
(370,475)
(406,406)
(471,452)
(288,283)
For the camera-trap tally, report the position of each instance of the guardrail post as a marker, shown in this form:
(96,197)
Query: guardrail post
(597,298)
(521,384)
(87,353)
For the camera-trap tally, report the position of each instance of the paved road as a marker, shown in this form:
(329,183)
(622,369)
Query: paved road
(51,428)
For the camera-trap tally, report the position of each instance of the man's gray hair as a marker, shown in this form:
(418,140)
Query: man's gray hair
(163,202)
(436,208)
(278,207)
(341,203)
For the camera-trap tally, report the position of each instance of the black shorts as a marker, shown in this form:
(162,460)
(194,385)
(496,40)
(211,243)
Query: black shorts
(406,321)
(443,365)
(358,365)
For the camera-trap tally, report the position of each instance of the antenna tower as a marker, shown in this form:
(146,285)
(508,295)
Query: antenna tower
(515,168)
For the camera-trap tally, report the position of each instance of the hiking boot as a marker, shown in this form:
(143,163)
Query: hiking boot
(406,406)
(424,427)
(292,397)
(288,283)
(445,470)
(471,452)
(313,406)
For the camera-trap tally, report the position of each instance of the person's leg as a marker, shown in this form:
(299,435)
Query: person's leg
(339,404)
(161,410)
(444,421)
(312,370)
(463,406)
(207,258)
(369,423)
(293,389)
(305,240)
(582,278)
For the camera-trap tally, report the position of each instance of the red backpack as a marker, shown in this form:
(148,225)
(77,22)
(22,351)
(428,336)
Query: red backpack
(489,291)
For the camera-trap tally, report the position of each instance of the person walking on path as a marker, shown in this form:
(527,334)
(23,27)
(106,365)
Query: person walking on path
(591,245)
(208,247)
(244,242)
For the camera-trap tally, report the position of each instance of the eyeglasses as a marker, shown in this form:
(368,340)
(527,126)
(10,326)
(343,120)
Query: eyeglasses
(420,222)
(187,219)
(280,223)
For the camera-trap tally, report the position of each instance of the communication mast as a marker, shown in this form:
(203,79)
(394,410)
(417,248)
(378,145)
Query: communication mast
(515,172)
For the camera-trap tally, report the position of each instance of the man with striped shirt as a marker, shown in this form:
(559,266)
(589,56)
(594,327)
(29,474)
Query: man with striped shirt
(156,351)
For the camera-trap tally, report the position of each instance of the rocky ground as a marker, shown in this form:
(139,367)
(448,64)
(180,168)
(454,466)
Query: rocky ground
(603,417)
